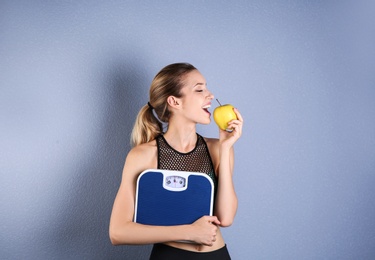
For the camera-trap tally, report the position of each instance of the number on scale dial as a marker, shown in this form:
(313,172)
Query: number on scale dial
(175,181)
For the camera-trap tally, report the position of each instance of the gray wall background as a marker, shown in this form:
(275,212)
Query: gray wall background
(73,75)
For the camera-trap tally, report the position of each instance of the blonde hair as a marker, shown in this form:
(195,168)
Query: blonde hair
(167,82)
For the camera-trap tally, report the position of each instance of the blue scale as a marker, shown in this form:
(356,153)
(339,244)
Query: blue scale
(167,198)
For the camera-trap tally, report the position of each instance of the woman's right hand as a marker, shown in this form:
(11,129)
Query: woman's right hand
(205,230)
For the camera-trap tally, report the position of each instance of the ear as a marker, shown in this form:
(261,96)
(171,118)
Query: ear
(174,102)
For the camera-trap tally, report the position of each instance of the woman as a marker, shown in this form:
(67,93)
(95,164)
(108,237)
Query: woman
(179,97)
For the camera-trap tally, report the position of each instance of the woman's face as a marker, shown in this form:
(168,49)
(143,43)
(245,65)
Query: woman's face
(196,98)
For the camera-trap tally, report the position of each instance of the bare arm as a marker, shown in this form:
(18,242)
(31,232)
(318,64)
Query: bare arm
(123,230)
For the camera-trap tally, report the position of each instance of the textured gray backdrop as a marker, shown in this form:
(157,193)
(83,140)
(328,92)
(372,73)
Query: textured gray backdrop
(73,75)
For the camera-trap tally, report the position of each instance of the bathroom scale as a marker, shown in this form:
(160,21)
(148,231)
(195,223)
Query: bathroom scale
(166,198)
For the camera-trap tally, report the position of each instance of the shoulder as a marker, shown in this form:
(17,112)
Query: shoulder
(146,149)
(213,148)
(141,157)
(212,143)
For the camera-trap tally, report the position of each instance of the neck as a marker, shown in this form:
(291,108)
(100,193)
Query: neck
(181,138)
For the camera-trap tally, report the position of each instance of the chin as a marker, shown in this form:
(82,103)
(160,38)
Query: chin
(206,122)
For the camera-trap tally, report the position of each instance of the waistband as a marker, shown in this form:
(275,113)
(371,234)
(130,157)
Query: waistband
(162,251)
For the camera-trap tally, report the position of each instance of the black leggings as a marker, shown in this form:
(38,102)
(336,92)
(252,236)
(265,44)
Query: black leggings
(165,252)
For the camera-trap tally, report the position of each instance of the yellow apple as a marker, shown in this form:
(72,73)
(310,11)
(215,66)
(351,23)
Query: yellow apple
(224,114)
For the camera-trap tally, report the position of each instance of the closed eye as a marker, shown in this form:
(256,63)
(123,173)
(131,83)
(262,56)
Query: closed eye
(199,90)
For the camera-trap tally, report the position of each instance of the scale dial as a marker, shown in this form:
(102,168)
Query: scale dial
(175,181)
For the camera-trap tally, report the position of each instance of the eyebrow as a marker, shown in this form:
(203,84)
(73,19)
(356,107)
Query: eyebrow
(200,84)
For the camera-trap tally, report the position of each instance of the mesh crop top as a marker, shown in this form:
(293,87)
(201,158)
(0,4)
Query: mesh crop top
(197,160)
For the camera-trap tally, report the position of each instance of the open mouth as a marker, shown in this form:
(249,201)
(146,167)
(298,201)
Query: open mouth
(206,107)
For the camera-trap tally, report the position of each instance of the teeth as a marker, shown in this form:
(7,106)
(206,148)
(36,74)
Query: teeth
(207,106)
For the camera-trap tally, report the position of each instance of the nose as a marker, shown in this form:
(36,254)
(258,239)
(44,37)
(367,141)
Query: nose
(210,95)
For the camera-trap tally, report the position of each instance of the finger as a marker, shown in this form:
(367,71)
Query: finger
(235,126)
(235,123)
(239,116)
(238,121)
(213,219)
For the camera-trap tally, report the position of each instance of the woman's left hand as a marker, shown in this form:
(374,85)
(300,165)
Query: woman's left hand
(229,138)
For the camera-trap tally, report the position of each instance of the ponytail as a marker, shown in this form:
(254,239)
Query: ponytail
(146,127)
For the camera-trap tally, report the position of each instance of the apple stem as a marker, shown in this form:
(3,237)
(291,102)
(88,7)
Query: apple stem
(218,102)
